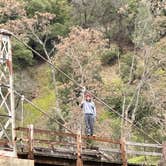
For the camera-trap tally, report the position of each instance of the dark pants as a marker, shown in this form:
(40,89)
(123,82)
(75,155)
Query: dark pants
(89,122)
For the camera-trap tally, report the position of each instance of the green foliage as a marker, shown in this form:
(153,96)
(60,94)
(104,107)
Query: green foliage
(113,123)
(145,108)
(45,102)
(144,160)
(144,32)
(160,72)
(45,95)
(106,14)
(60,8)
(103,116)
(126,63)
(65,67)
(164,12)
(58,29)
(59,26)
(115,102)
(22,57)
(64,95)
(110,57)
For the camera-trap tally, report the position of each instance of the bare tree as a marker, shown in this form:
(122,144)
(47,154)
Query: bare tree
(81,52)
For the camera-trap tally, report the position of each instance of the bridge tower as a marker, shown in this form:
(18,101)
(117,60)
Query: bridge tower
(7,108)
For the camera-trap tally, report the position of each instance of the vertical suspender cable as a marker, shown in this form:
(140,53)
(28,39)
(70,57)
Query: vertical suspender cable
(22,110)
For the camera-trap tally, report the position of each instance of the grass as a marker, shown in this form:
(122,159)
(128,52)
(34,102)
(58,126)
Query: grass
(45,102)
(45,99)
(144,160)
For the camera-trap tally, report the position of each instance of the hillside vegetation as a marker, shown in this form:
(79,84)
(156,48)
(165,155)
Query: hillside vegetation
(116,49)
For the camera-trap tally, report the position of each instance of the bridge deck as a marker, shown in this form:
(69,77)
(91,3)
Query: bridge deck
(64,157)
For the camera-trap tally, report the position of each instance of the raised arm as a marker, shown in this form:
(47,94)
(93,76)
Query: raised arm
(94,108)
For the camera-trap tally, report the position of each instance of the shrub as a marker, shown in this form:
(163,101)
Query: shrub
(109,58)
(126,62)
(22,57)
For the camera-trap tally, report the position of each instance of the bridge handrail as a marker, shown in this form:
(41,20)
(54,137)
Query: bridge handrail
(95,138)
(144,145)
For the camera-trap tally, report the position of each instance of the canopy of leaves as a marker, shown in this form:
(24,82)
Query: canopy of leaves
(81,50)
(22,57)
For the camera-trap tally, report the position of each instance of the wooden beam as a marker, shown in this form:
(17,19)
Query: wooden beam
(101,139)
(144,153)
(50,142)
(133,152)
(23,129)
(144,145)
(79,161)
(123,151)
(111,150)
(48,161)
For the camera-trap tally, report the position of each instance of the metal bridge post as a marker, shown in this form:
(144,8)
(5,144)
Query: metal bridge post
(79,149)
(7,108)
(22,110)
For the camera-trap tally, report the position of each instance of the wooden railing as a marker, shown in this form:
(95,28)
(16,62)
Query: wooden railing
(77,142)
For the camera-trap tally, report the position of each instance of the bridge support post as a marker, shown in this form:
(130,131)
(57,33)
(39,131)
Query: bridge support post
(30,141)
(123,151)
(79,149)
(163,160)
(7,108)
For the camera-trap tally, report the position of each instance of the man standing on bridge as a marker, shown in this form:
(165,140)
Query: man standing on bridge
(89,109)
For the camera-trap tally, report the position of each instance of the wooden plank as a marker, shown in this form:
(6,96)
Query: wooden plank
(144,145)
(50,142)
(111,150)
(57,150)
(23,129)
(105,156)
(47,161)
(144,153)
(101,139)
(132,152)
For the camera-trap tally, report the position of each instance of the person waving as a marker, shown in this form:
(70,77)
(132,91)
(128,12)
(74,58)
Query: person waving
(89,109)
